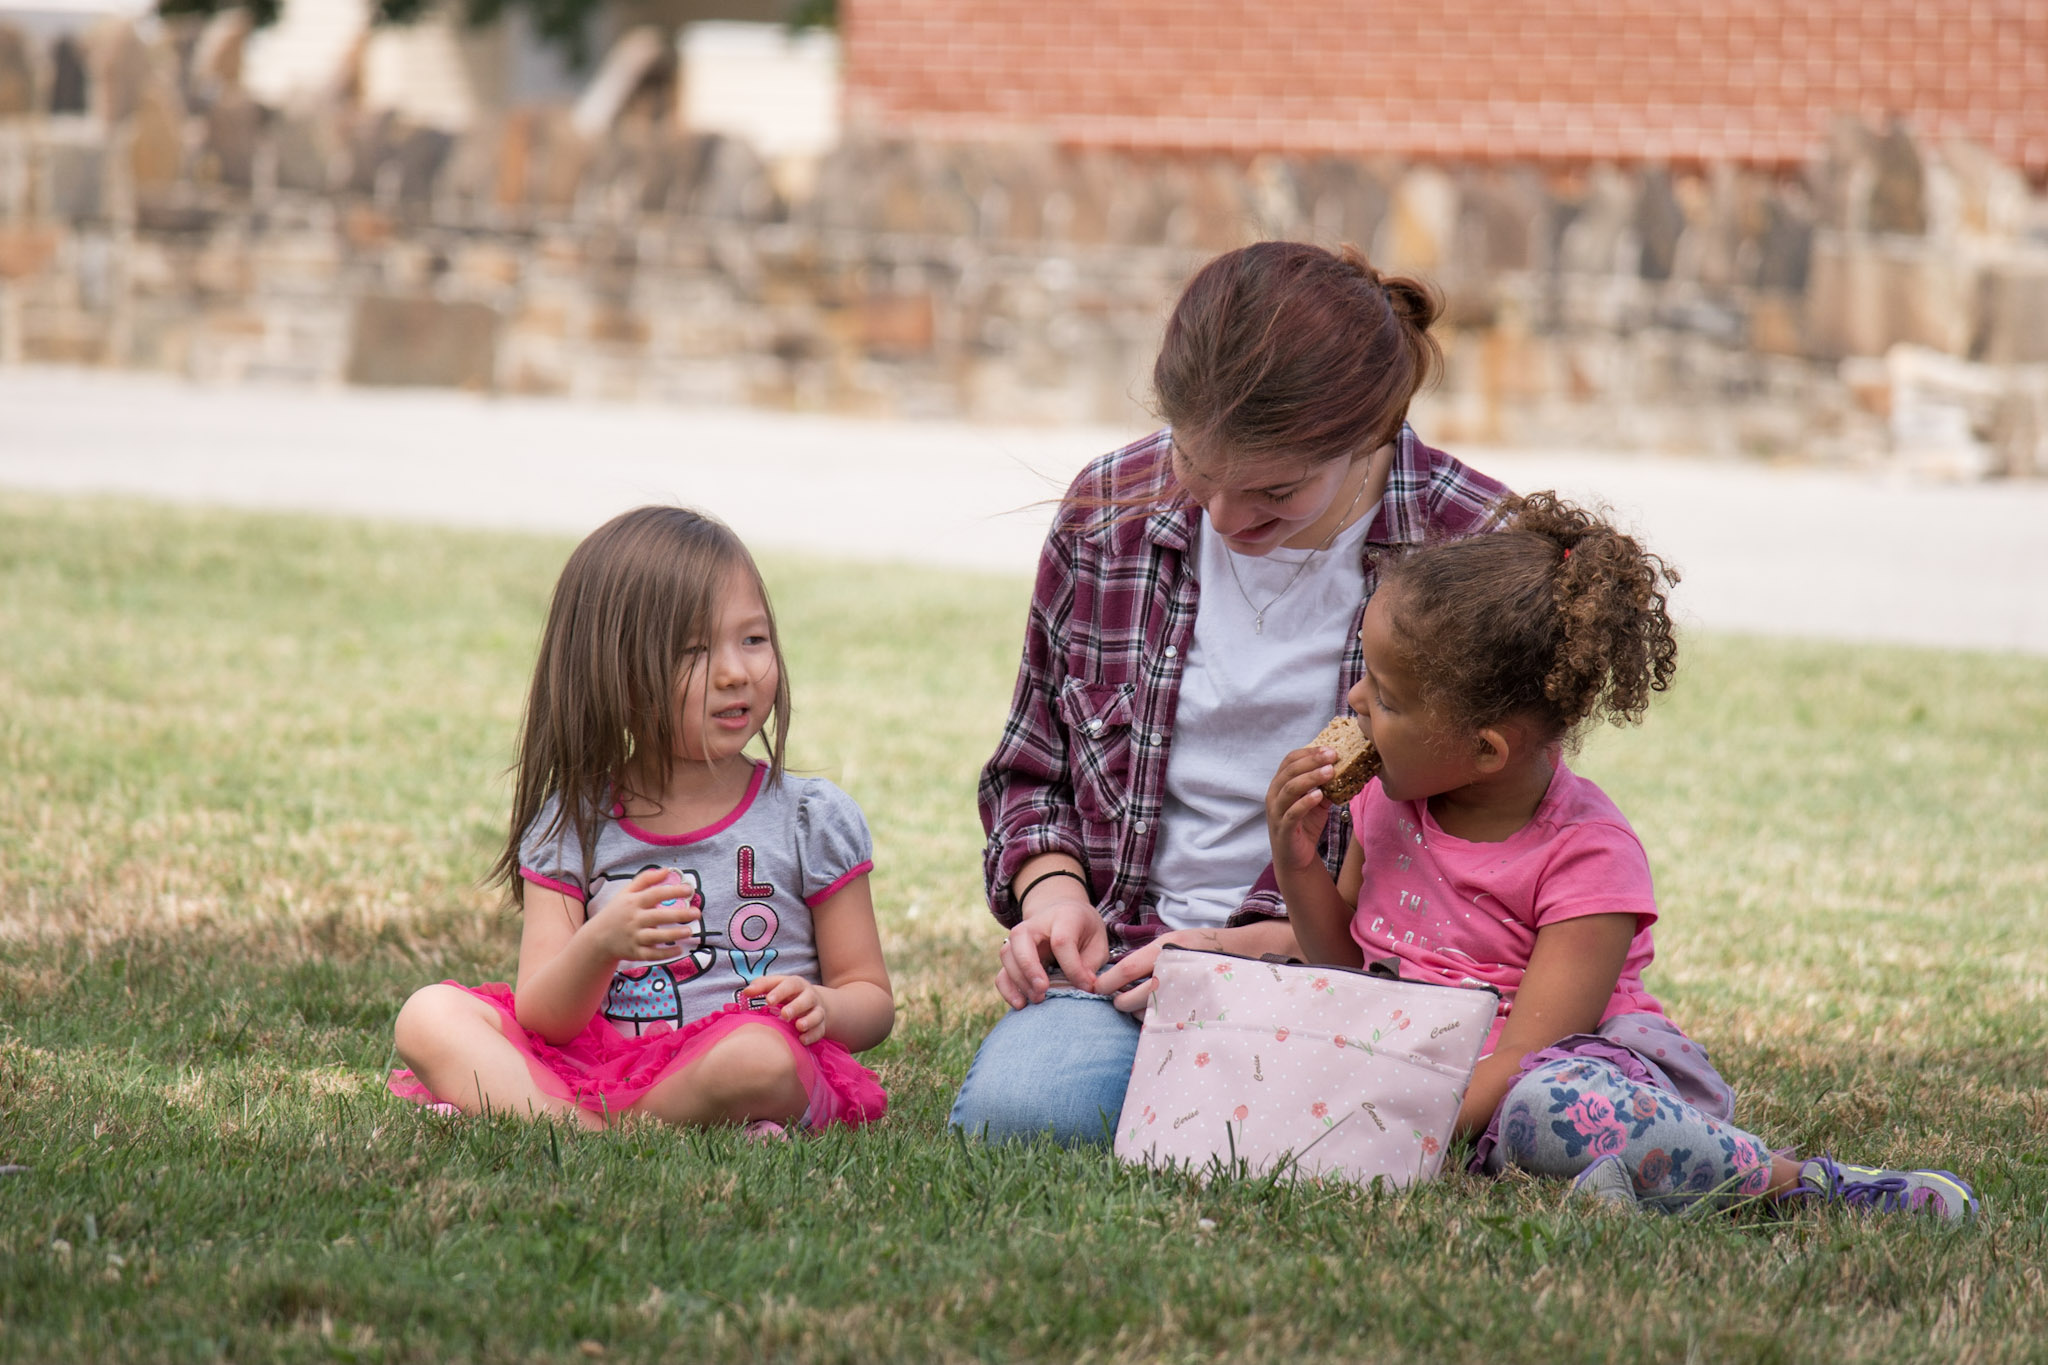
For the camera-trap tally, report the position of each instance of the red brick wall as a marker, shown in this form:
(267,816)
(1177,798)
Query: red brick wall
(1684,80)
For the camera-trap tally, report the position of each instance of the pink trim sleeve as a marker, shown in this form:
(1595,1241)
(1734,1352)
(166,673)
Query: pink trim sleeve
(551,884)
(857,870)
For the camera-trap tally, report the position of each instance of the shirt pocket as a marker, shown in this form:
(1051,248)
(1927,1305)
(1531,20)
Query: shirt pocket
(1098,720)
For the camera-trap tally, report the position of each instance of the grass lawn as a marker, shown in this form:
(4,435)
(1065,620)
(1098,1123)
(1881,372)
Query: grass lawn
(251,768)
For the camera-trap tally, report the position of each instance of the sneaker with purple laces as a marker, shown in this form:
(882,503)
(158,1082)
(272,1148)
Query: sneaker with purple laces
(1607,1181)
(1940,1193)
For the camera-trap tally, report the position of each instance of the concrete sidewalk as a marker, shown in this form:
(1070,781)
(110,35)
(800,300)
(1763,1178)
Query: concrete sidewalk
(1790,552)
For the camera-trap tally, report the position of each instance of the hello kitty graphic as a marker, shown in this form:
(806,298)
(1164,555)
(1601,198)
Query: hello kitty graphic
(643,995)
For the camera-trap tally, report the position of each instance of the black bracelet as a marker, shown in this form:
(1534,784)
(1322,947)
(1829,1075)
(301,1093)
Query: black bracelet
(1032,885)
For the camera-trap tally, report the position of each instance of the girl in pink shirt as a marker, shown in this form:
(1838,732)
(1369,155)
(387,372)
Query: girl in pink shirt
(1479,858)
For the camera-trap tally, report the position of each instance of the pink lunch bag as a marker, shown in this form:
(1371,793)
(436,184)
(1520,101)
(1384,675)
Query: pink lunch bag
(1253,1065)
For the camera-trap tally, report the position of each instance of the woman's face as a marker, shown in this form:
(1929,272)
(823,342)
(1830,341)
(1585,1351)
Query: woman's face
(1260,504)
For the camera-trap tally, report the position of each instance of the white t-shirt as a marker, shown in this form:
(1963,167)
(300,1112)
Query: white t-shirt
(1246,699)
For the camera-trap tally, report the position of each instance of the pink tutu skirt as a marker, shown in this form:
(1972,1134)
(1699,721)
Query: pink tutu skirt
(606,1073)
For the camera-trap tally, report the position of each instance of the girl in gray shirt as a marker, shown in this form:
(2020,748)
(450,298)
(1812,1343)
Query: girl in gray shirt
(698,938)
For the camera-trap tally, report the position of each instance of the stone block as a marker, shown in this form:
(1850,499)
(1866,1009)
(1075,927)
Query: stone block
(17,73)
(543,320)
(305,154)
(365,229)
(1774,326)
(370,141)
(1785,242)
(1346,201)
(415,342)
(70,87)
(17,178)
(1659,222)
(734,184)
(64,336)
(120,71)
(214,67)
(77,173)
(2012,314)
(1927,298)
(420,156)
(1597,227)
(296,263)
(1844,299)
(1865,296)
(1276,196)
(559,160)
(487,264)
(898,325)
(171,216)
(1898,191)
(26,251)
(1500,219)
(515,139)
(2019,427)
(616,327)
(233,127)
(1994,199)
(156,143)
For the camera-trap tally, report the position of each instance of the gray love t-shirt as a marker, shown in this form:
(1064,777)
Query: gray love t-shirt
(786,848)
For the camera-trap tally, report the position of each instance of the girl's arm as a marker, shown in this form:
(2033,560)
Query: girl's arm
(1572,970)
(853,1005)
(1317,908)
(1322,924)
(566,961)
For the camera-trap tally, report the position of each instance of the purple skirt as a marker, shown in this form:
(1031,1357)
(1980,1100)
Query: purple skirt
(1649,1050)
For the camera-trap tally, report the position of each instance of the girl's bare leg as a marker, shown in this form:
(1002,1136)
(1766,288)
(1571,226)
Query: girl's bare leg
(454,1044)
(747,1075)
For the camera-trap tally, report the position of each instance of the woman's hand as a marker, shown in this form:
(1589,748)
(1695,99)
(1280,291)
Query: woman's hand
(1297,810)
(803,1005)
(1136,966)
(650,920)
(1061,925)
(1254,940)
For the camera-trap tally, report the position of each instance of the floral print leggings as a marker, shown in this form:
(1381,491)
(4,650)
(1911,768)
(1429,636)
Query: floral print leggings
(1565,1114)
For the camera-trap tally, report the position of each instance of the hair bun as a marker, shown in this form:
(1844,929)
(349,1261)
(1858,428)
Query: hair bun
(1413,301)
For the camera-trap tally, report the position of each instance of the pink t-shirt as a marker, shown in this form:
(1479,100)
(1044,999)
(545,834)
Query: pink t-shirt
(1458,912)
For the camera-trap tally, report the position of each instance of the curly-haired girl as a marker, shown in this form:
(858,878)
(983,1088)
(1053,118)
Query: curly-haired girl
(1478,857)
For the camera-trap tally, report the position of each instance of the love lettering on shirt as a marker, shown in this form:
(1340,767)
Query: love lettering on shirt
(645,994)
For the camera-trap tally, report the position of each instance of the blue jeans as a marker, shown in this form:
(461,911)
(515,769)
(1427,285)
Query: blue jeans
(1059,1067)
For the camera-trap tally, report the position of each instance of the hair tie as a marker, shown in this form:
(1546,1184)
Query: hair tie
(1567,552)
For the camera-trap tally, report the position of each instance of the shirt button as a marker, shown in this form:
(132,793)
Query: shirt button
(1095,725)
(1116,907)
(1141,827)
(1173,651)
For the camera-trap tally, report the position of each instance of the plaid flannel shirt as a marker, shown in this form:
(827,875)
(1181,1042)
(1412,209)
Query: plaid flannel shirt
(1081,767)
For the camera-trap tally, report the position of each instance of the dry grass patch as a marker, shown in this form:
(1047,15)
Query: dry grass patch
(252,767)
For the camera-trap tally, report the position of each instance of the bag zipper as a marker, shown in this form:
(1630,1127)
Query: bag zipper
(1385,973)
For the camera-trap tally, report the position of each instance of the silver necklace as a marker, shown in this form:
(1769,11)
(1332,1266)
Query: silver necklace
(1259,612)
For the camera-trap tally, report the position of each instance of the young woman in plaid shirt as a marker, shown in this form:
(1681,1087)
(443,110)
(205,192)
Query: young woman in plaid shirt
(1196,617)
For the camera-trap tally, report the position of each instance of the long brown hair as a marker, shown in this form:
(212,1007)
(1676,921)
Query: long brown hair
(1556,616)
(634,603)
(1287,349)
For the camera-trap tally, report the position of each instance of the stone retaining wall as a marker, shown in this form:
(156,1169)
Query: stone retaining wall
(1889,302)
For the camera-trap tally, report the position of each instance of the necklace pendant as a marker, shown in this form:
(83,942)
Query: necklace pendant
(1259,624)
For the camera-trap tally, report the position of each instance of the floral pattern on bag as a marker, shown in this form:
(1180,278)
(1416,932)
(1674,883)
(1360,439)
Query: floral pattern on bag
(1345,1084)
